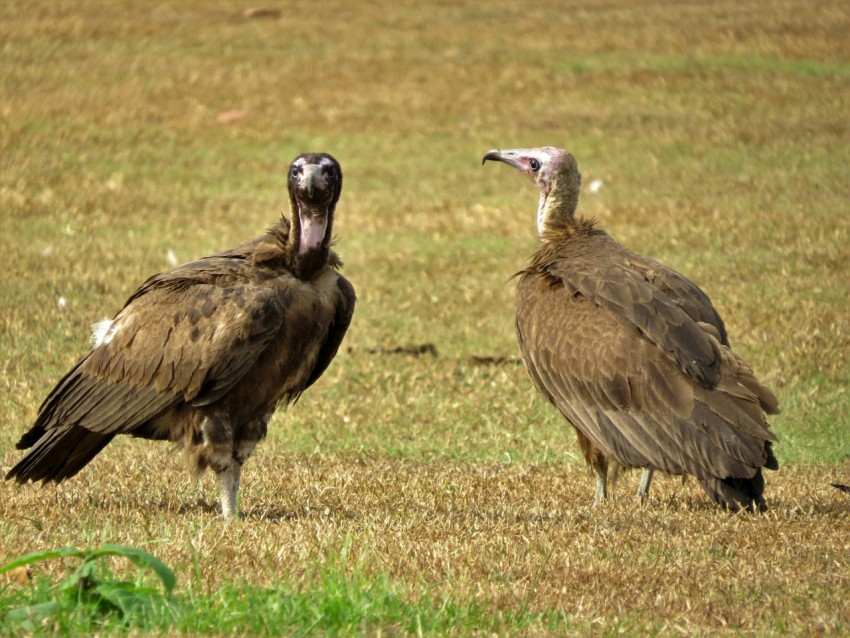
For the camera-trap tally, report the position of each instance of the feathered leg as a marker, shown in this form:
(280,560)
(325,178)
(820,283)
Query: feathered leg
(225,449)
(216,452)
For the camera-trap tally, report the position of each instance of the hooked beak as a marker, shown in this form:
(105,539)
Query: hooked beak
(509,157)
(310,179)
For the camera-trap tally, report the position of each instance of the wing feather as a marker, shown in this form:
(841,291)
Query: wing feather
(642,293)
(635,303)
(679,288)
(187,335)
(623,390)
(343,312)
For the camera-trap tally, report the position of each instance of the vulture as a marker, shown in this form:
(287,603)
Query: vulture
(633,354)
(204,353)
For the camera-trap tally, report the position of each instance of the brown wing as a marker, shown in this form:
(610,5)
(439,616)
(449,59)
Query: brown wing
(342,319)
(173,344)
(636,304)
(680,289)
(187,335)
(625,392)
(698,307)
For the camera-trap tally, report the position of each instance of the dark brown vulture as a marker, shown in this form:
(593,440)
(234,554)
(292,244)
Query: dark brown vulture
(204,353)
(633,354)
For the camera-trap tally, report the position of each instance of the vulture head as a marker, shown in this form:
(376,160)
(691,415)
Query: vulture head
(315,183)
(556,175)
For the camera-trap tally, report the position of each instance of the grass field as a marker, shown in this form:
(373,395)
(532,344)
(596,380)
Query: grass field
(435,494)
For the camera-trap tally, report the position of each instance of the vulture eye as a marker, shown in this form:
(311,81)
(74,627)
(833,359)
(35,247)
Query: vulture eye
(534,164)
(294,172)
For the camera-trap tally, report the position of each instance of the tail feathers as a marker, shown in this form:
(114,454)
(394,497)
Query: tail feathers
(737,493)
(30,438)
(57,454)
(771,463)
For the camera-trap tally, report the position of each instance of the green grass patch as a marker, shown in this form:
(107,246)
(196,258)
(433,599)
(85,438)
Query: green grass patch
(90,597)
(337,597)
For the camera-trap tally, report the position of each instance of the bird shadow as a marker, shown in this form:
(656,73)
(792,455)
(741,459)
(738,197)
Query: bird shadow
(273,515)
(213,508)
(269,514)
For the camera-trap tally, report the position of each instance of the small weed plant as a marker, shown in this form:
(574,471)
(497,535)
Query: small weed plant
(91,590)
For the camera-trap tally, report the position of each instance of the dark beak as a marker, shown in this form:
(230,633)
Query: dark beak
(511,158)
(313,186)
(491,155)
(310,179)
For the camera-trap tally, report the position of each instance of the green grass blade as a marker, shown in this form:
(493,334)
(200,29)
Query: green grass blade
(35,557)
(142,559)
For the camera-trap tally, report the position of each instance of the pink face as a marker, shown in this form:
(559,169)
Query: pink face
(554,172)
(539,164)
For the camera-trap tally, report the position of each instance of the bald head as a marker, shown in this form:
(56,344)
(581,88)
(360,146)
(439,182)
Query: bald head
(555,173)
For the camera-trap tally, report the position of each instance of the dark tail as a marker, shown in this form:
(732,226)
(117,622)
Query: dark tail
(771,463)
(56,454)
(737,493)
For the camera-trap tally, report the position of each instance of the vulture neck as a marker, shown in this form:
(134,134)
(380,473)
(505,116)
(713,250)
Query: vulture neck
(308,265)
(558,203)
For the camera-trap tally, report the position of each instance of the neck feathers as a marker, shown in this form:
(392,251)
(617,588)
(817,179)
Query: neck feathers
(559,202)
(569,228)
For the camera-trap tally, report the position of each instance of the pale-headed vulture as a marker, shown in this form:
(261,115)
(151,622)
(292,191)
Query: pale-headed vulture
(633,353)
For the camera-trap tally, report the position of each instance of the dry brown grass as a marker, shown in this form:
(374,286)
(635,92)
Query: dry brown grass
(505,535)
(720,131)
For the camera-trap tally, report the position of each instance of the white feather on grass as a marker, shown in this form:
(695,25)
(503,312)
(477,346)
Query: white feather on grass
(595,186)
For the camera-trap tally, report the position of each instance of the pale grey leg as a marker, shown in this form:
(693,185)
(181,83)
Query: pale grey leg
(228,479)
(228,485)
(645,480)
(218,450)
(601,486)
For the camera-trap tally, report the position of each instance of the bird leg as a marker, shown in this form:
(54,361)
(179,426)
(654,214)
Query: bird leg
(228,485)
(598,463)
(601,484)
(645,480)
(228,480)
(225,449)
(600,469)
(217,453)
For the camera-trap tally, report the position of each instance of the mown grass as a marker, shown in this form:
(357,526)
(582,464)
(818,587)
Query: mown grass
(360,542)
(331,598)
(720,134)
